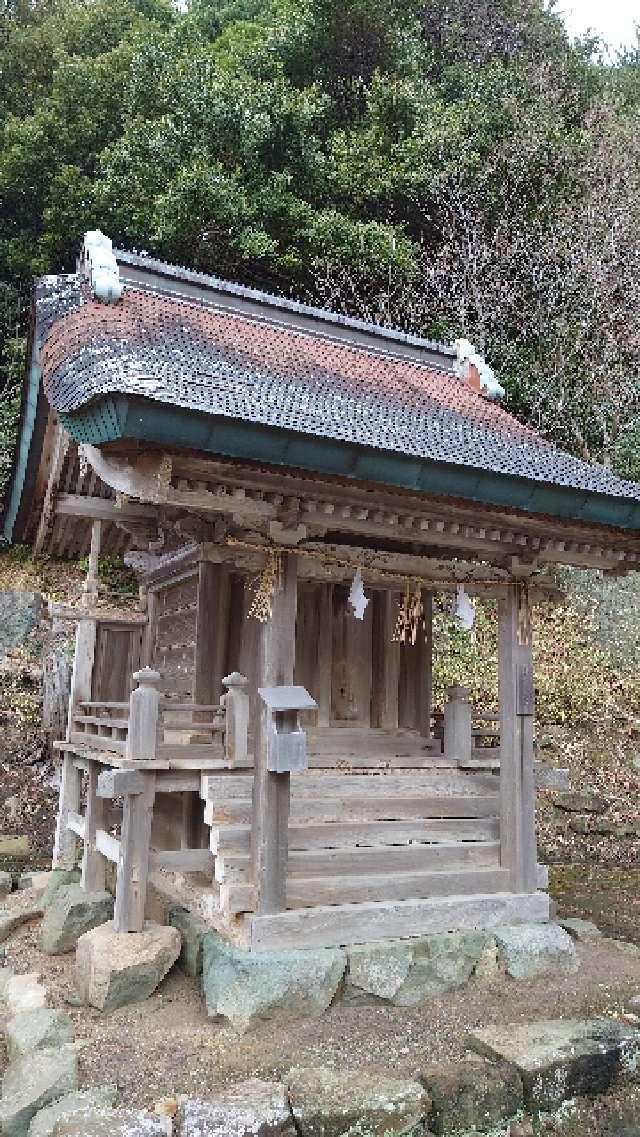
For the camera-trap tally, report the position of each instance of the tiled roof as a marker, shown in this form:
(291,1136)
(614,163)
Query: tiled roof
(225,363)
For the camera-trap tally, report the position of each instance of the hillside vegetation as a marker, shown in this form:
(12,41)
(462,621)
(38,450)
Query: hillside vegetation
(444,165)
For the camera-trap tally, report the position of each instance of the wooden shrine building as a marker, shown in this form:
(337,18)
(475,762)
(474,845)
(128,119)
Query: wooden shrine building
(292,488)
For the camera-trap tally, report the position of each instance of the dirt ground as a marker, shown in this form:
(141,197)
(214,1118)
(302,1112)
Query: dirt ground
(167,1045)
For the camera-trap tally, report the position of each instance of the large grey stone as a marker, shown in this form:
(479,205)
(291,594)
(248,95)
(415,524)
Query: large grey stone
(473,1096)
(45,1121)
(551,777)
(328,1102)
(562,1058)
(247,987)
(20,913)
(71,912)
(116,968)
(408,972)
(112,1123)
(192,930)
(248,1109)
(584,931)
(580,801)
(535,949)
(6,973)
(6,883)
(32,1082)
(25,993)
(19,614)
(56,879)
(37,1029)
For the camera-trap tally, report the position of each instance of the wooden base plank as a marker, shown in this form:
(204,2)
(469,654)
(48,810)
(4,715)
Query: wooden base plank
(344,924)
(308,811)
(339,835)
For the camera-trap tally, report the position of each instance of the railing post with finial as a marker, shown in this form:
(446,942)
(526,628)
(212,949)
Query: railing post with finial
(236,705)
(143,716)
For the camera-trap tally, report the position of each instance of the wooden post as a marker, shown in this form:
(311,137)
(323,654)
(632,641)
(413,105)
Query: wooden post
(458,741)
(236,718)
(137,790)
(143,716)
(270,818)
(385,661)
(325,653)
(90,588)
(211,631)
(93,862)
(82,674)
(426,703)
(517,789)
(65,842)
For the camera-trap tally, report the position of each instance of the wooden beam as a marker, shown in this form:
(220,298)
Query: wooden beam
(517,783)
(133,864)
(103,509)
(270,807)
(93,861)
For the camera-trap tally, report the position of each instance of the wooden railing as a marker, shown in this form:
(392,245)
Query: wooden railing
(149,727)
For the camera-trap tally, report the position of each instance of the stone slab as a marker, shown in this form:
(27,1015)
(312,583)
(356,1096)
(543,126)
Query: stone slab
(35,1030)
(25,993)
(580,801)
(32,1082)
(329,1103)
(409,972)
(46,1120)
(474,1096)
(116,968)
(249,987)
(70,913)
(192,930)
(560,1059)
(583,931)
(6,883)
(13,918)
(112,1123)
(254,1108)
(528,950)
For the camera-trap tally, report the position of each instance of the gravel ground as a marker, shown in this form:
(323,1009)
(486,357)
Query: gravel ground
(166,1045)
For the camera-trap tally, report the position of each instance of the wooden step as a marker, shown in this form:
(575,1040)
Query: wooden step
(237,838)
(307,892)
(358,861)
(225,787)
(314,811)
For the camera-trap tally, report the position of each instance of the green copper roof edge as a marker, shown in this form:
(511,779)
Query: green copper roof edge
(23,446)
(174,426)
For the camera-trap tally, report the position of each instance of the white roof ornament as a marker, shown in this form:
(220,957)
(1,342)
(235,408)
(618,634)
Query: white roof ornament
(469,360)
(99,265)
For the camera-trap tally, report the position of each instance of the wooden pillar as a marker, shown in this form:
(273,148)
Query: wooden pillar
(65,842)
(211,631)
(270,816)
(325,653)
(82,674)
(90,588)
(133,865)
(385,661)
(517,789)
(458,741)
(93,862)
(236,719)
(425,706)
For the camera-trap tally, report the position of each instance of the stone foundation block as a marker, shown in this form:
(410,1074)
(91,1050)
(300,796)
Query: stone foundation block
(474,1096)
(116,968)
(25,993)
(45,1121)
(37,1030)
(409,972)
(31,1083)
(70,913)
(56,879)
(581,930)
(112,1123)
(528,950)
(247,987)
(248,1109)
(329,1103)
(559,1059)
(192,930)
